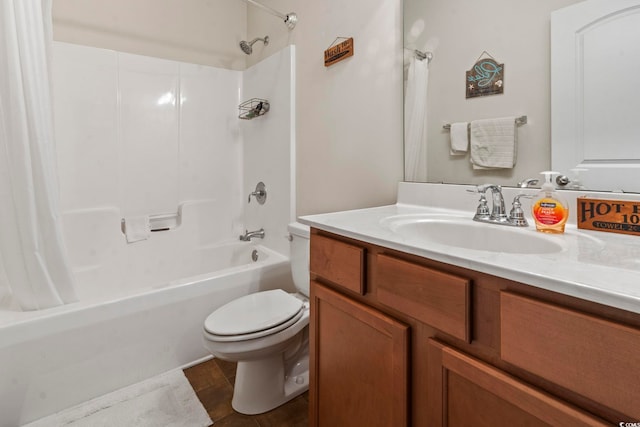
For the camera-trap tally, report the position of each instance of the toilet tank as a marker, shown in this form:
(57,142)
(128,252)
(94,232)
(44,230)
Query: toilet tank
(299,246)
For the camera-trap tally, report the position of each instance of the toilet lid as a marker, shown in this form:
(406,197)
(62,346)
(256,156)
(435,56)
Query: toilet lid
(253,313)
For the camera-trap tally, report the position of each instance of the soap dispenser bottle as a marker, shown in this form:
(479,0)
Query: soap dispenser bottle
(549,211)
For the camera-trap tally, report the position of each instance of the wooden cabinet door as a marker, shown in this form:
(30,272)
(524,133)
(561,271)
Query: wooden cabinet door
(462,391)
(359,364)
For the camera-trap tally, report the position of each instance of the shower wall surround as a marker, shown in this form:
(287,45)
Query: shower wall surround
(269,147)
(139,135)
(142,133)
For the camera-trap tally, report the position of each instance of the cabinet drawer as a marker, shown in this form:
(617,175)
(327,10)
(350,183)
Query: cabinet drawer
(438,299)
(591,356)
(338,262)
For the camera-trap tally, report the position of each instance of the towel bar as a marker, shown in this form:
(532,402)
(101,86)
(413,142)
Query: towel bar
(522,120)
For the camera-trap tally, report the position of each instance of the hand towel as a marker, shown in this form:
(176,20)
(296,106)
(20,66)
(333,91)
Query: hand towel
(137,228)
(459,138)
(494,143)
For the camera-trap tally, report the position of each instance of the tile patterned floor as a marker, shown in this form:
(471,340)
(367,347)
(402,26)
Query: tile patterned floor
(213,383)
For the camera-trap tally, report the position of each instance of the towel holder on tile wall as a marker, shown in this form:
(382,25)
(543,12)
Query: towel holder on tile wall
(522,120)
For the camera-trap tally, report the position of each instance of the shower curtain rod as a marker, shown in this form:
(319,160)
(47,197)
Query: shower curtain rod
(290,19)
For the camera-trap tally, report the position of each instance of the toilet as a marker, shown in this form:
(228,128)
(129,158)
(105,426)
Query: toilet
(267,334)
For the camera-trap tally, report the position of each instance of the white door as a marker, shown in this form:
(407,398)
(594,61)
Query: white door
(595,93)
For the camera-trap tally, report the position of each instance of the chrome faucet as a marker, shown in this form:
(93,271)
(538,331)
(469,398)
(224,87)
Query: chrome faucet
(498,213)
(248,235)
(529,182)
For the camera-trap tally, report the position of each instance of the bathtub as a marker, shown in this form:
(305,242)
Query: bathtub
(56,358)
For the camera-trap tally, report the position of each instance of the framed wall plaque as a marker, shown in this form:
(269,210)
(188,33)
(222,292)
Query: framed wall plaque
(486,77)
(338,52)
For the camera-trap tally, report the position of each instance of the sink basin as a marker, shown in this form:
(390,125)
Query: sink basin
(465,233)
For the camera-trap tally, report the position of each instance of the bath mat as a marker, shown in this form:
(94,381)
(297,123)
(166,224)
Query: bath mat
(164,400)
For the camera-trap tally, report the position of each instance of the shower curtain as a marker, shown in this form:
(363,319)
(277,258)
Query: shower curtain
(415,121)
(33,260)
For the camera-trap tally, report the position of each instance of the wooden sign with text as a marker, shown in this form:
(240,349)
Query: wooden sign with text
(486,77)
(337,53)
(613,216)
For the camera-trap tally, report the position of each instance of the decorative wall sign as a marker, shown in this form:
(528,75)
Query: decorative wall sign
(613,216)
(486,77)
(338,52)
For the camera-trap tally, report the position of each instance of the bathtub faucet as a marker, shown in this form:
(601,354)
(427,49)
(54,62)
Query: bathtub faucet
(248,235)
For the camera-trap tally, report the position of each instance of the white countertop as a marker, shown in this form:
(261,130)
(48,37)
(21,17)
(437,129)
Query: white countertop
(595,266)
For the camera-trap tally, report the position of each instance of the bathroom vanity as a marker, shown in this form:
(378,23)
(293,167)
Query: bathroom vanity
(410,331)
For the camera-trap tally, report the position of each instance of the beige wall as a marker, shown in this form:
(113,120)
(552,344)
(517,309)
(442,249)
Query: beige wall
(349,116)
(198,31)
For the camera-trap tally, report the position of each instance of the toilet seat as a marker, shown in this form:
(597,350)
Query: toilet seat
(254,316)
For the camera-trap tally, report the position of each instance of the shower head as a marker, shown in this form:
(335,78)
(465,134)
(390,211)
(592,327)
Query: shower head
(247,47)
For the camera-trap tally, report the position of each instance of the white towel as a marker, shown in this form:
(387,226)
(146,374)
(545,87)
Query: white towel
(137,228)
(493,143)
(459,138)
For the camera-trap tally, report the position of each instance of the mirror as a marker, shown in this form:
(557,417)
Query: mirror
(516,34)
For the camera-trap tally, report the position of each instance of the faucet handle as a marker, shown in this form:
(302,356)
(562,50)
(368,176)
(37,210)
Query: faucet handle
(482,211)
(516,216)
(260,193)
